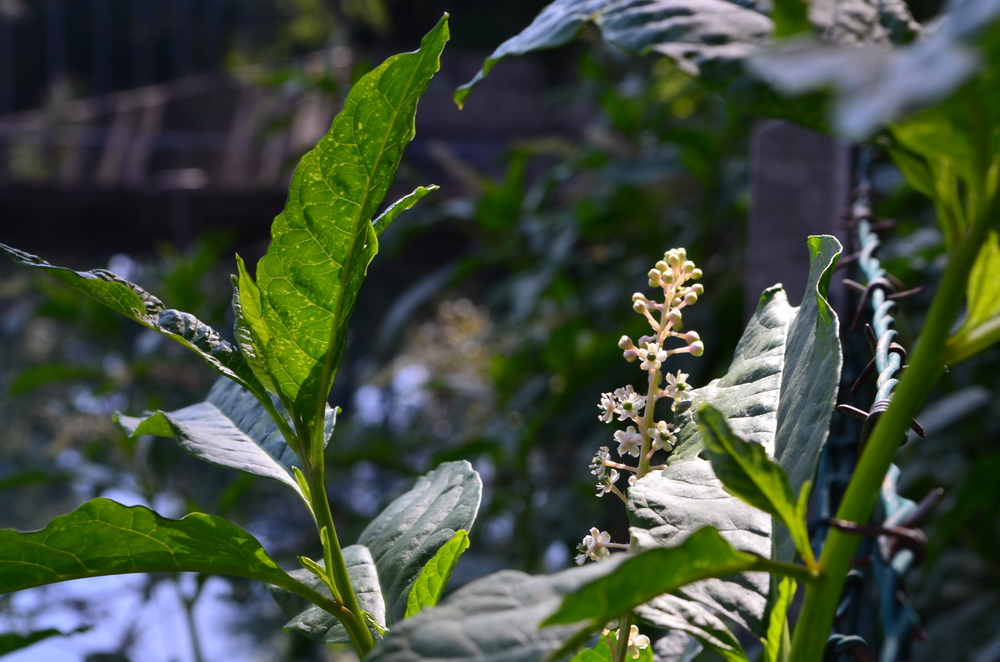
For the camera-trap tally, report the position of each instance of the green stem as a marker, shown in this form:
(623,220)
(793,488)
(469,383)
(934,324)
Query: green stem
(621,649)
(188,604)
(916,382)
(336,567)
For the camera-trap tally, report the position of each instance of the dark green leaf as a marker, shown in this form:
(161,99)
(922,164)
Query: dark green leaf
(747,471)
(790,17)
(494,619)
(320,625)
(139,305)
(323,241)
(410,531)
(102,537)
(430,584)
(230,429)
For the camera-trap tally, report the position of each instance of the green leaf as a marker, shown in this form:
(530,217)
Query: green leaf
(430,584)
(229,429)
(407,535)
(644,576)
(102,537)
(746,471)
(323,241)
(12,642)
(777,643)
(320,625)
(249,328)
(398,207)
(139,305)
(494,619)
(790,17)
(981,327)
(779,393)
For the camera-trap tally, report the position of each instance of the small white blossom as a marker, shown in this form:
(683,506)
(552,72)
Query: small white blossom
(662,436)
(600,461)
(607,407)
(636,642)
(677,387)
(628,403)
(606,482)
(629,441)
(593,546)
(632,479)
(652,356)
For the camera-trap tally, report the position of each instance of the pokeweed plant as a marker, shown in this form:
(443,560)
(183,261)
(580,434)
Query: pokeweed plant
(268,415)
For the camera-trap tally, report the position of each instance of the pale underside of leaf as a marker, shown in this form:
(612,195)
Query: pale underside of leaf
(230,429)
(494,619)
(318,624)
(405,536)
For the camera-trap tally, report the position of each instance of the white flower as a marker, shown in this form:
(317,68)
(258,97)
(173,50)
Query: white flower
(605,482)
(676,386)
(600,461)
(593,547)
(636,641)
(628,403)
(607,407)
(632,479)
(652,356)
(662,436)
(629,441)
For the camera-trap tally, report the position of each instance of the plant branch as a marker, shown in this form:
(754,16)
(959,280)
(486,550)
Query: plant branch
(916,382)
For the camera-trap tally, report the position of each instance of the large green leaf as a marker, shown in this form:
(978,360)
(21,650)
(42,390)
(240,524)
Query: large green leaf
(410,531)
(323,241)
(230,429)
(709,38)
(779,392)
(139,305)
(10,642)
(102,537)
(495,619)
(318,624)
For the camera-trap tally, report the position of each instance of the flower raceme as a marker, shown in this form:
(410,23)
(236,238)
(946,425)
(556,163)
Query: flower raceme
(646,436)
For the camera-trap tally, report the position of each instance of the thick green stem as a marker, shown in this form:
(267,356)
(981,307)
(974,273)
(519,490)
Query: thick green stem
(336,567)
(925,366)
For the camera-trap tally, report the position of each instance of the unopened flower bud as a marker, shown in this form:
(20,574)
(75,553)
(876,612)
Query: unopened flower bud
(687,267)
(654,278)
(696,348)
(662,266)
(630,355)
(673,260)
(696,274)
(625,343)
(690,298)
(639,306)
(691,336)
(698,289)
(674,316)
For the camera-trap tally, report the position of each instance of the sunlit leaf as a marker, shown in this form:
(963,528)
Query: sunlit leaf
(747,471)
(323,241)
(230,429)
(982,323)
(433,578)
(102,537)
